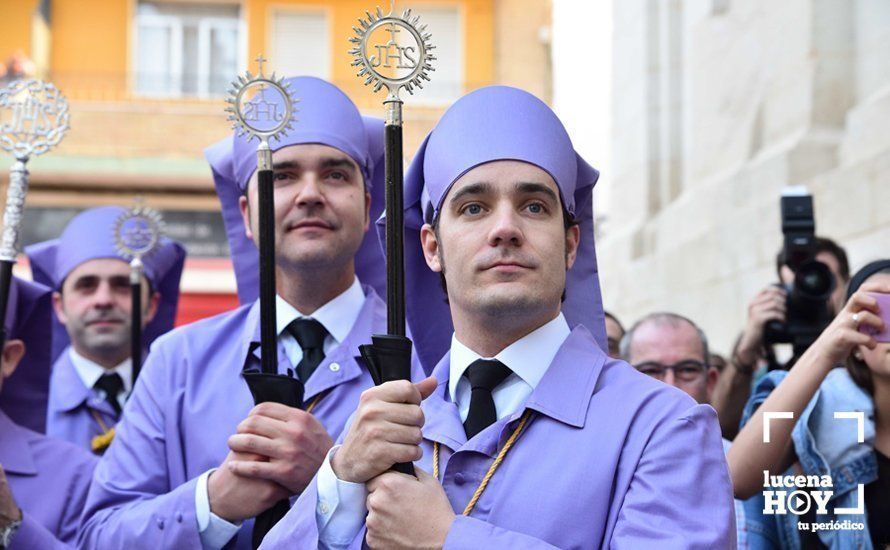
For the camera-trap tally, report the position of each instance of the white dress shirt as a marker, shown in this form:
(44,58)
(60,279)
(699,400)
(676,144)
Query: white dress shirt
(341,508)
(337,316)
(89,373)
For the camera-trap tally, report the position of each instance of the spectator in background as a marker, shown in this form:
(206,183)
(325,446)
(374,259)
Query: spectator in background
(19,66)
(748,355)
(614,334)
(673,349)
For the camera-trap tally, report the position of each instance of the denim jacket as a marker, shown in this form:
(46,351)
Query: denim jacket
(824,445)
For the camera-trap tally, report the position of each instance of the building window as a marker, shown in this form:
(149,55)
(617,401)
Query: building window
(447,80)
(301,42)
(186,50)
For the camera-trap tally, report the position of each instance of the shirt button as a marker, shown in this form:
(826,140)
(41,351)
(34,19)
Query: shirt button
(323,508)
(334,367)
(459,479)
(160,524)
(178,517)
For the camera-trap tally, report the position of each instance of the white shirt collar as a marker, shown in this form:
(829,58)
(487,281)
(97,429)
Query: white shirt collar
(337,316)
(90,371)
(528,358)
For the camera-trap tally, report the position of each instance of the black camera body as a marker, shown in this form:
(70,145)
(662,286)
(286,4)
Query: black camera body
(808,309)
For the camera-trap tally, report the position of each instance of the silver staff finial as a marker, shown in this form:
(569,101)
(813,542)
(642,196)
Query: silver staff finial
(408,65)
(255,115)
(137,232)
(33,120)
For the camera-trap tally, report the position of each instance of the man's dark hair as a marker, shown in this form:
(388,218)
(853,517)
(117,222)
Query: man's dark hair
(823,244)
(615,319)
(568,221)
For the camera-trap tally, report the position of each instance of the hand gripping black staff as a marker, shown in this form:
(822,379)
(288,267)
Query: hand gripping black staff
(137,232)
(255,116)
(33,120)
(402,61)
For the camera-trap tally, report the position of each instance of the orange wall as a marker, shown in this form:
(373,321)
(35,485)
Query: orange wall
(15,27)
(479,43)
(90,37)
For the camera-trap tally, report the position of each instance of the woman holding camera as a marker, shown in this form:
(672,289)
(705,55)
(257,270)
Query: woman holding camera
(816,442)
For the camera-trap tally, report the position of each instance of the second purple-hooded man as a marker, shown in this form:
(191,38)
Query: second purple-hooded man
(194,460)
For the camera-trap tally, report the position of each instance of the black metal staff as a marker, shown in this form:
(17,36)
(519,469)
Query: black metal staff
(257,117)
(394,65)
(33,119)
(137,233)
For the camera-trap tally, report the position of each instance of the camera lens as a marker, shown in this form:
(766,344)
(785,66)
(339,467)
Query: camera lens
(814,280)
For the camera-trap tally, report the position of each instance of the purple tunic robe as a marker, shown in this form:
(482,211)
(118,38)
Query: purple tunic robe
(188,400)
(611,458)
(72,405)
(49,480)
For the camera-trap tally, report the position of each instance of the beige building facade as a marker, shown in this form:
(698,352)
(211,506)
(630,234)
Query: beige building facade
(717,105)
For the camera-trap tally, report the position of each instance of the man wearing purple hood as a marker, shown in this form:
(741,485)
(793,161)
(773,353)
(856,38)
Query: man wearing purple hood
(194,460)
(530,436)
(92,371)
(43,481)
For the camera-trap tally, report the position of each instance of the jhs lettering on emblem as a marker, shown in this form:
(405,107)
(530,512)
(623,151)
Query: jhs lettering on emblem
(30,117)
(404,56)
(261,110)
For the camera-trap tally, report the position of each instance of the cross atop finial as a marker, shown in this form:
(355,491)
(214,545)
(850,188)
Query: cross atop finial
(392,30)
(260,60)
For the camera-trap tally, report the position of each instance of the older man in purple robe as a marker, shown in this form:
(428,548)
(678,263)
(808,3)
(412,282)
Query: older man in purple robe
(43,481)
(93,374)
(194,461)
(529,436)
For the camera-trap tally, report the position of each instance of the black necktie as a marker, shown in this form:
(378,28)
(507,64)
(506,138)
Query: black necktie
(310,334)
(484,376)
(112,384)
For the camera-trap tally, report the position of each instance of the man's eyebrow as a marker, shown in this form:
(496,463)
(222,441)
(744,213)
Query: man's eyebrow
(285,165)
(531,187)
(86,279)
(473,189)
(332,162)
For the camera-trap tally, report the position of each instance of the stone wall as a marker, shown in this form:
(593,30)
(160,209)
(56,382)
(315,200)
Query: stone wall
(718,104)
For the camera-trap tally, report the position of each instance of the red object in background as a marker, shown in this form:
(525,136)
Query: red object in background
(199,305)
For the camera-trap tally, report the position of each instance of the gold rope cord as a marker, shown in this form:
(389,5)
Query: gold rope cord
(101,442)
(314,403)
(491,469)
